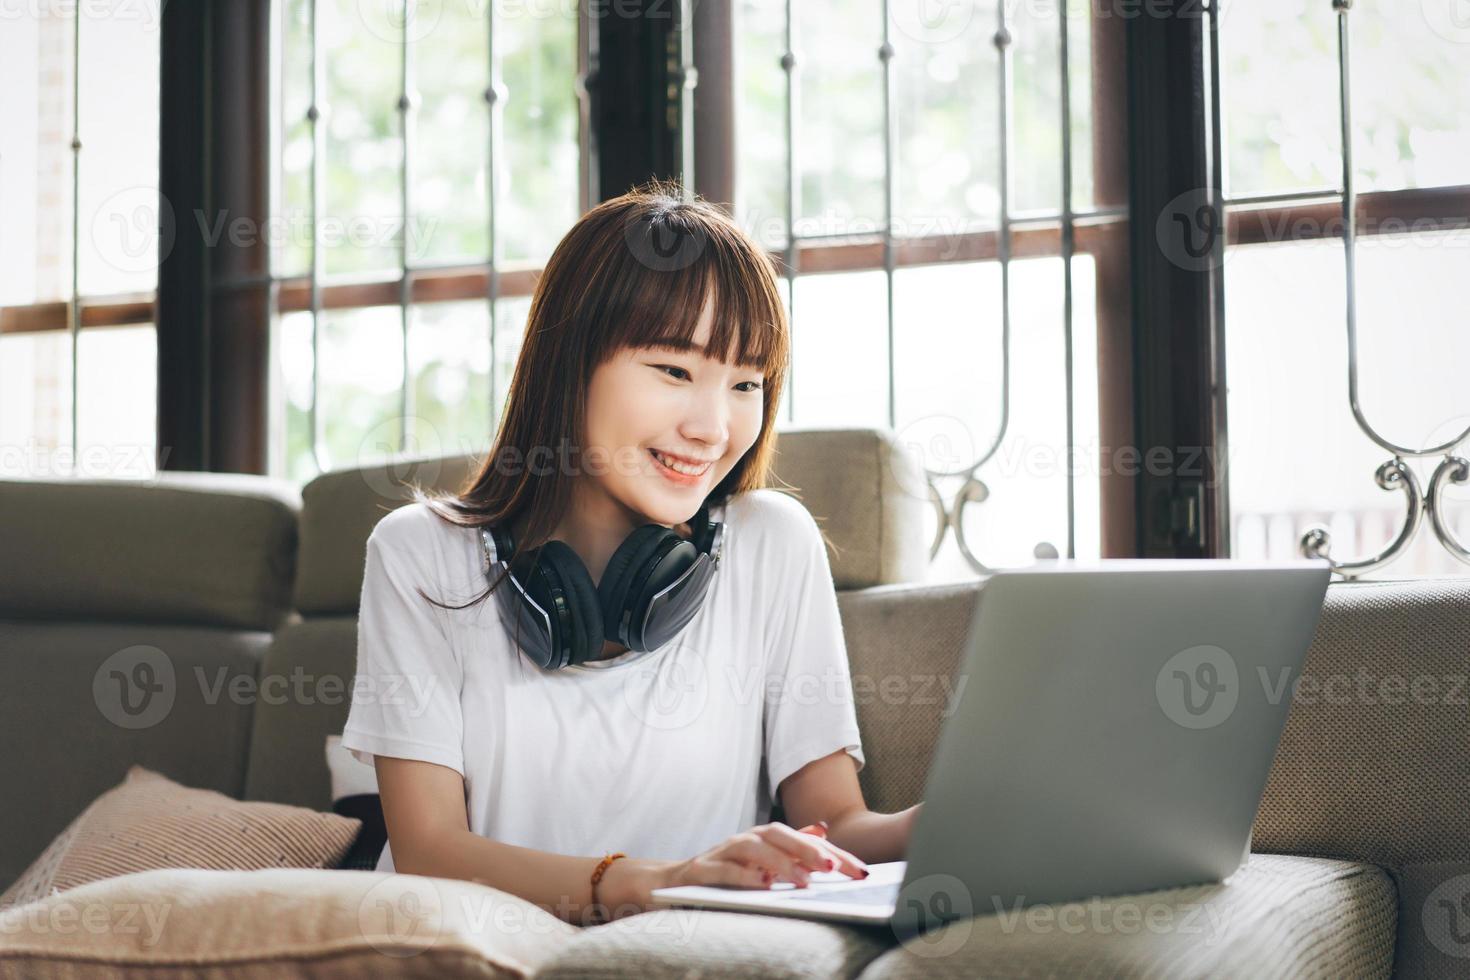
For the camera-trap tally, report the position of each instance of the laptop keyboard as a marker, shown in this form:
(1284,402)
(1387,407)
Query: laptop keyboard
(871,895)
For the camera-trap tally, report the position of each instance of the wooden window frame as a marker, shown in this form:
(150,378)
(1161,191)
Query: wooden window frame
(1158,341)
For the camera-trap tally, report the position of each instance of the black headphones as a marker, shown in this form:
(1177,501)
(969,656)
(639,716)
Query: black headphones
(653,585)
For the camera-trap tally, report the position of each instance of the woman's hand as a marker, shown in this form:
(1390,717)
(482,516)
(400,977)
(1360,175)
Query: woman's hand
(756,858)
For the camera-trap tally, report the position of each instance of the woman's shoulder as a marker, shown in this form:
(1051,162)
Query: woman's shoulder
(410,526)
(415,546)
(770,513)
(417,535)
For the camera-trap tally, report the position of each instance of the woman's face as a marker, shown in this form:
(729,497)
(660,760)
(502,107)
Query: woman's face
(680,403)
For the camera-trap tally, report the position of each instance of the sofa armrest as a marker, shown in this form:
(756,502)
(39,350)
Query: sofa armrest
(904,644)
(1374,766)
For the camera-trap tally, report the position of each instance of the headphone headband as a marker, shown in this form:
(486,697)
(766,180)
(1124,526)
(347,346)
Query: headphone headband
(653,585)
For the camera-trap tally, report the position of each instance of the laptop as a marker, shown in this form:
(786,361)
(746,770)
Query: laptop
(1113,729)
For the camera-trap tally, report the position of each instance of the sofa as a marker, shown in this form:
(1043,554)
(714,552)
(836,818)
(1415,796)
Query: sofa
(1360,861)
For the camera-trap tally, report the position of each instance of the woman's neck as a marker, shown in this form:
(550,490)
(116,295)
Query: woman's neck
(594,542)
(595,529)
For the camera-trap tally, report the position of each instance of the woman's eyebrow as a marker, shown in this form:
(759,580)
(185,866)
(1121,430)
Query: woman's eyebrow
(695,351)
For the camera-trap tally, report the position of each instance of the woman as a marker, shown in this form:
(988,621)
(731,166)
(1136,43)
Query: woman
(646,392)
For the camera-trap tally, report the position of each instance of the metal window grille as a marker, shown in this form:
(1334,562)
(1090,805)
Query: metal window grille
(974,490)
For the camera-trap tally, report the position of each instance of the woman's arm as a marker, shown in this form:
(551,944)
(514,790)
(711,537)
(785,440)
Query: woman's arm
(827,789)
(423,807)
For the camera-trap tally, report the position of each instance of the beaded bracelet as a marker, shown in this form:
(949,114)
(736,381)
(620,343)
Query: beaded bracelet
(602,867)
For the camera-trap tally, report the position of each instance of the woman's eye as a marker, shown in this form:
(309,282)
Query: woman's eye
(670,367)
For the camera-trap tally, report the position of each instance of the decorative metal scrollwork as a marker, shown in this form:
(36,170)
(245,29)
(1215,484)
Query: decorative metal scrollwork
(1394,474)
(974,491)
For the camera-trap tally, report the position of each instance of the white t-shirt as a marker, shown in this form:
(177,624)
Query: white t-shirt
(658,755)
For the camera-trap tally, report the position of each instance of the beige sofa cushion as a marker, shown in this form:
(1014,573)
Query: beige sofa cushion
(83,701)
(340,509)
(1374,763)
(1276,917)
(867,492)
(210,549)
(277,922)
(904,645)
(149,821)
(685,944)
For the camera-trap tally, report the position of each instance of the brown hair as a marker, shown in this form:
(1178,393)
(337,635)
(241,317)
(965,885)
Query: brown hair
(635,270)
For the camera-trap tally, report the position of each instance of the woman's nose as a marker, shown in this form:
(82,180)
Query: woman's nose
(707,419)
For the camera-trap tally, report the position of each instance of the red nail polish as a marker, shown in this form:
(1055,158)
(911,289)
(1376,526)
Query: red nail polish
(864,874)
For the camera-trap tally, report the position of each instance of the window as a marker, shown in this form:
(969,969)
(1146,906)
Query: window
(970,327)
(1298,457)
(425,165)
(80,243)
(945,192)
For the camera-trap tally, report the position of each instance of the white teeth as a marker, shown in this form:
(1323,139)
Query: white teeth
(679,467)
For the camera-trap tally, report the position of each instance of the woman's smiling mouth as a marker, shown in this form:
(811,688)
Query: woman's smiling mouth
(678,471)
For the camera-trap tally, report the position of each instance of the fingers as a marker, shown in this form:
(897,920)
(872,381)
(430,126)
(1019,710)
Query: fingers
(752,849)
(814,851)
(734,874)
(793,855)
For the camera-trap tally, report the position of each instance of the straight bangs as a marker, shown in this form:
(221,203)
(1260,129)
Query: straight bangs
(659,303)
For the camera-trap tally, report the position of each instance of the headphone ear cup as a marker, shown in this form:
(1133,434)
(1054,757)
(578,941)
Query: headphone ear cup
(618,579)
(584,610)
